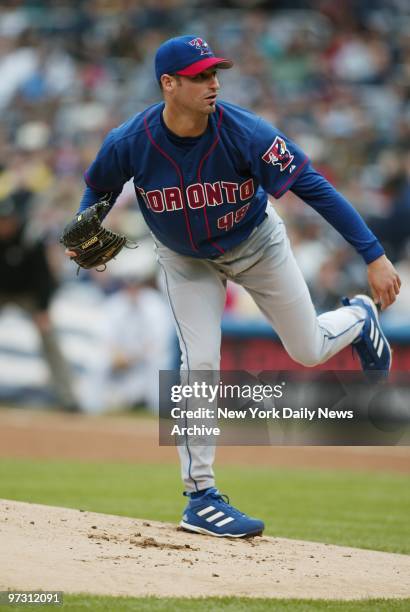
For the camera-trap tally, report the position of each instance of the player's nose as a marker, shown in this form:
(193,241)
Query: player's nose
(214,82)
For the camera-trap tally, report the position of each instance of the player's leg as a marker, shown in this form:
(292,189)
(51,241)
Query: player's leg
(196,293)
(279,289)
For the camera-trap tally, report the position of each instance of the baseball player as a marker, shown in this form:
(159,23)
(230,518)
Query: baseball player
(202,171)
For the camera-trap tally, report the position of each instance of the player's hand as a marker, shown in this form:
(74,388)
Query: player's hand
(384,281)
(69,253)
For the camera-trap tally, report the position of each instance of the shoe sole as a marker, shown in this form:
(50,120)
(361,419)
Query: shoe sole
(195,529)
(370,303)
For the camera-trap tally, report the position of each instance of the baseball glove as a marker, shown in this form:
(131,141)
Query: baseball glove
(93,244)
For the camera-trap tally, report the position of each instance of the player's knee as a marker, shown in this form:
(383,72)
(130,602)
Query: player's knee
(308,357)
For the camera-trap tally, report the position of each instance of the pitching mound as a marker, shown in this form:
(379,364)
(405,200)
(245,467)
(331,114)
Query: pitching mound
(69,550)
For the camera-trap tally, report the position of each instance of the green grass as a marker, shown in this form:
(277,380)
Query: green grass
(211,604)
(367,510)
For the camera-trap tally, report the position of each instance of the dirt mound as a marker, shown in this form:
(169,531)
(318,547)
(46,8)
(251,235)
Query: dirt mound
(74,551)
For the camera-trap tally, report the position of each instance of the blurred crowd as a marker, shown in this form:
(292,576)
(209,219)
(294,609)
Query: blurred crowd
(334,76)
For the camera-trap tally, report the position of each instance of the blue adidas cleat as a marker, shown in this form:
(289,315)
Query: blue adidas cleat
(212,514)
(371,346)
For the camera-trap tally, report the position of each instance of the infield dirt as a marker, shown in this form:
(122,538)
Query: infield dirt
(50,548)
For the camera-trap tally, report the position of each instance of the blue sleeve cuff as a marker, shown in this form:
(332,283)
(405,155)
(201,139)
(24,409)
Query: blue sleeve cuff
(92,196)
(372,252)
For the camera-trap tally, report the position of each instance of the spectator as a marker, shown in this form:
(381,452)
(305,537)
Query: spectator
(137,342)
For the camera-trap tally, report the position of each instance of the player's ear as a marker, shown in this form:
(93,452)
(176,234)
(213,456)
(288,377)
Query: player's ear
(167,82)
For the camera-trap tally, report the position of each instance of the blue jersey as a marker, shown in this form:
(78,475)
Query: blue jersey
(203,199)
(203,196)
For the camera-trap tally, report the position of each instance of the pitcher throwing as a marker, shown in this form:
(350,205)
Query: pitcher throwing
(202,171)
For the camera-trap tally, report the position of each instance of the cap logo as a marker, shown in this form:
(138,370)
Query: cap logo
(200,45)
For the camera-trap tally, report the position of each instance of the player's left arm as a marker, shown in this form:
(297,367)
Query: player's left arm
(105,178)
(316,191)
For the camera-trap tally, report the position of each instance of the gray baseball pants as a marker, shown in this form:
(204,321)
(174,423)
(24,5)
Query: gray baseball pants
(265,266)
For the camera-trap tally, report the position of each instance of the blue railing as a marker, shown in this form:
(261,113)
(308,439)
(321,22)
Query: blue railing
(238,327)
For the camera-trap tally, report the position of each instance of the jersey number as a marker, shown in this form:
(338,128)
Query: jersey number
(226,222)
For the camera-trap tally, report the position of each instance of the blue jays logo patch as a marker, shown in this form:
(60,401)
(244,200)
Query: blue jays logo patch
(278,154)
(200,45)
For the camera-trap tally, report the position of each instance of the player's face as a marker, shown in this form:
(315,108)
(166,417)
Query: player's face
(198,93)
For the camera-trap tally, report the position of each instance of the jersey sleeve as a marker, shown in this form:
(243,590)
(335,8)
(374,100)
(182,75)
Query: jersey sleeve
(275,160)
(91,196)
(111,168)
(318,193)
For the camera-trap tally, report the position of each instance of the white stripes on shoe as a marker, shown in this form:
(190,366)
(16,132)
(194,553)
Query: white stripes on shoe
(206,510)
(376,338)
(214,517)
(225,521)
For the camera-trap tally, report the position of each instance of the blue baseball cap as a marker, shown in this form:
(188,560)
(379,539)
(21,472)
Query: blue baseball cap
(186,55)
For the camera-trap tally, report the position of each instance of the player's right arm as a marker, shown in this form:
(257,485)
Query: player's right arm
(280,165)
(106,176)
(384,281)
(316,191)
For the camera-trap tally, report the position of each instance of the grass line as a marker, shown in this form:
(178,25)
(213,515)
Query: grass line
(72,603)
(365,510)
